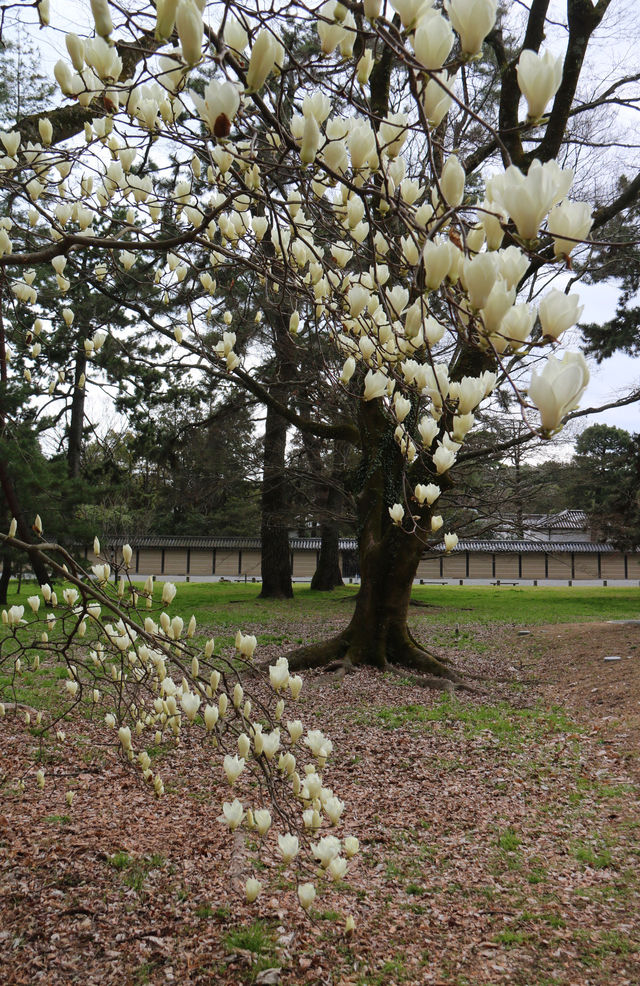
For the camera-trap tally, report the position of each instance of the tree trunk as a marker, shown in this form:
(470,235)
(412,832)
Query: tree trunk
(5,577)
(8,489)
(276,556)
(378,634)
(76,423)
(328,575)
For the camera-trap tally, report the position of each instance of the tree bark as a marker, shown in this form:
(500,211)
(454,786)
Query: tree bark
(276,556)
(74,449)
(327,575)
(378,635)
(5,577)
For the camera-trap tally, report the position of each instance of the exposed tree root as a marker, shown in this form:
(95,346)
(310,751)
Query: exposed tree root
(424,681)
(341,656)
(449,685)
(322,655)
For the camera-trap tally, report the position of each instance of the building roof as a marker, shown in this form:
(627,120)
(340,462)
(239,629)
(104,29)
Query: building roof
(546,547)
(566,520)
(159,541)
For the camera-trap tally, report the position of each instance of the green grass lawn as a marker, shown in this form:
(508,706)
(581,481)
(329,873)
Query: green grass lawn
(226,606)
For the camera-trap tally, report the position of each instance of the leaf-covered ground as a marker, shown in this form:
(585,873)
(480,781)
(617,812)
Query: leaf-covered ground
(499,835)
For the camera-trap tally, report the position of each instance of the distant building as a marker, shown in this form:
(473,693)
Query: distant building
(567,525)
(556,547)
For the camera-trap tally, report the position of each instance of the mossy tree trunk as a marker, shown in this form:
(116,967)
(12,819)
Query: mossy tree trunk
(378,634)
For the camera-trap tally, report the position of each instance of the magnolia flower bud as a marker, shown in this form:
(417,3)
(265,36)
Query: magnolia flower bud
(310,140)
(433,41)
(437,98)
(364,67)
(102,17)
(450,541)
(452,181)
(478,277)
(262,819)
(46,130)
(306,895)
(437,255)
(569,219)
(473,20)
(211,715)
(165,18)
(75,47)
(168,593)
(252,888)
(190,30)
(235,35)
(262,61)
(410,10)
(539,78)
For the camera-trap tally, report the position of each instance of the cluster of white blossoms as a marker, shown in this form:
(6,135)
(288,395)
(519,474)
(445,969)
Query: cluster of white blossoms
(155,679)
(356,171)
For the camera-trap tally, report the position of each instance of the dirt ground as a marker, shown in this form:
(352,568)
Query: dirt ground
(570,662)
(499,837)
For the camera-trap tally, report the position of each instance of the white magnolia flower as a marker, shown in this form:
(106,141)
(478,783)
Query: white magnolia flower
(572,220)
(529,198)
(558,387)
(218,107)
(558,312)
(232,814)
(289,847)
(432,41)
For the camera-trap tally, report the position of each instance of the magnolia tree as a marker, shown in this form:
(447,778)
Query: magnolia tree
(386,179)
